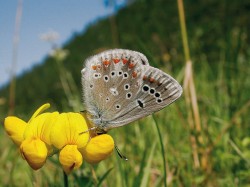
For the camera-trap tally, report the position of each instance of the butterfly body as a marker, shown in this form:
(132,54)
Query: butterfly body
(119,86)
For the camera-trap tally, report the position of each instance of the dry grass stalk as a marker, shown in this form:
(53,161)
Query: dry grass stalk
(190,95)
(14,57)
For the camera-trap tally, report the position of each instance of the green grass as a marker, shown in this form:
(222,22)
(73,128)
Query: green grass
(222,145)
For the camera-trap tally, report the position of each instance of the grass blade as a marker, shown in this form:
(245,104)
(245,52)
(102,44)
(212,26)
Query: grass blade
(104,176)
(138,178)
(162,152)
(147,168)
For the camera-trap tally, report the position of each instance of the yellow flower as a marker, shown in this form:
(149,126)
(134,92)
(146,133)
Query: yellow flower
(70,158)
(66,135)
(15,128)
(67,132)
(32,137)
(34,151)
(99,148)
(40,126)
(36,146)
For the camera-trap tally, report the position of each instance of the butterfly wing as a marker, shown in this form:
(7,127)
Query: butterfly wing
(157,91)
(119,87)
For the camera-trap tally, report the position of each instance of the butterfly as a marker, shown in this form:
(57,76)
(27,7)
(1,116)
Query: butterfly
(119,87)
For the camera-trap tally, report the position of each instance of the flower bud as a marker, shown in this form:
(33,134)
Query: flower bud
(98,148)
(34,151)
(15,128)
(70,158)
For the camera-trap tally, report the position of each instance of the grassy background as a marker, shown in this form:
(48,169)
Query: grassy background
(215,154)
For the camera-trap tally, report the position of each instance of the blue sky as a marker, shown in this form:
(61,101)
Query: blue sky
(39,17)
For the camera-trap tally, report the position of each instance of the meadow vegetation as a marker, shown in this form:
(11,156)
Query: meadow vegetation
(202,139)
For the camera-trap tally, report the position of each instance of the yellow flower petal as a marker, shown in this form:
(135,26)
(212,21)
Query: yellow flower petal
(67,130)
(15,128)
(41,126)
(98,148)
(70,158)
(50,121)
(34,151)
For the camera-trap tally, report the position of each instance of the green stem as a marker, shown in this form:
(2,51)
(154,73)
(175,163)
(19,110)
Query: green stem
(65,179)
(162,151)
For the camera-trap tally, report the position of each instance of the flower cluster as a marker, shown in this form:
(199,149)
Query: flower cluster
(46,133)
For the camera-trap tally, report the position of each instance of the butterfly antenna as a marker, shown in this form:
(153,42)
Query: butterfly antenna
(120,154)
(91,129)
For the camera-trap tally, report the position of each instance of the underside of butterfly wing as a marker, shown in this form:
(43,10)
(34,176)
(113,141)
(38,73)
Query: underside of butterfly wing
(109,79)
(119,87)
(157,91)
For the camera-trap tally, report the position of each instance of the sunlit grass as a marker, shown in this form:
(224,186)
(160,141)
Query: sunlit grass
(221,147)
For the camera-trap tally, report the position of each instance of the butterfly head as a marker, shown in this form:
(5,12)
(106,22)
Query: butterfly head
(95,124)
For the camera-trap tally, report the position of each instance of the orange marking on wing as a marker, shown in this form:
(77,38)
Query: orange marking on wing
(145,77)
(151,79)
(106,62)
(134,74)
(124,61)
(130,66)
(116,60)
(99,66)
(94,67)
